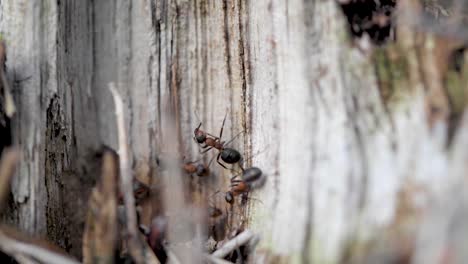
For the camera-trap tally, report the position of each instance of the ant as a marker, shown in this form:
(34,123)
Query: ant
(140,192)
(228,155)
(199,169)
(155,236)
(252,178)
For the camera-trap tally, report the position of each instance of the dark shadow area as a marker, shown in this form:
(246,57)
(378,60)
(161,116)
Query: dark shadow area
(371,17)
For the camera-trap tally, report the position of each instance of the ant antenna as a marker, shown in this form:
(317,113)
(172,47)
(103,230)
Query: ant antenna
(243,131)
(222,126)
(198,118)
(211,160)
(256,154)
(194,160)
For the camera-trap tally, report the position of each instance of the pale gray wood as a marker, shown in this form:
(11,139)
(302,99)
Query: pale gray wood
(336,156)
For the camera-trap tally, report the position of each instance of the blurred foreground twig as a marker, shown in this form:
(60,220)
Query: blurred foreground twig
(139,250)
(7,168)
(100,234)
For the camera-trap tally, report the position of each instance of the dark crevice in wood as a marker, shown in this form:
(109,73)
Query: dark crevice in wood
(5,133)
(204,51)
(227,43)
(55,164)
(314,96)
(455,83)
(371,17)
(246,98)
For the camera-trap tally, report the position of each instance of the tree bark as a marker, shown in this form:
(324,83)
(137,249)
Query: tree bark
(355,146)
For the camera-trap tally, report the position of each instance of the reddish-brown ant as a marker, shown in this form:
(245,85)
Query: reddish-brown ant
(200,136)
(155,236)
(228,155)
(199,169)
(140,191)
(252,178)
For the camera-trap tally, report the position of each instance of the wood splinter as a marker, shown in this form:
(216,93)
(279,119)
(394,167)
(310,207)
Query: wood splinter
(215,260)
(233,244)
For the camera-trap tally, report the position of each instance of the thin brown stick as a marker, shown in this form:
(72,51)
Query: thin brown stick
(8,163)
(233,244)
(100,235)
(126,180)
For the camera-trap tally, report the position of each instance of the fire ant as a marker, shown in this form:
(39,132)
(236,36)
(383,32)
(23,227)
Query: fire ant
(228,155)
(252,178)
(199,169)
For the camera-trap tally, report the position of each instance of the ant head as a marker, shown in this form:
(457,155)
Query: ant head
(200,136)
(214,211)
(229,197)
(202,170)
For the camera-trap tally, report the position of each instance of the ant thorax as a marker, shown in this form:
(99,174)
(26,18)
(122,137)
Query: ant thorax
(210,141)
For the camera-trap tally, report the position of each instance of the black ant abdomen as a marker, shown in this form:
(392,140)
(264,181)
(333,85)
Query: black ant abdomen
(230,155)
(254,177)
(252,174)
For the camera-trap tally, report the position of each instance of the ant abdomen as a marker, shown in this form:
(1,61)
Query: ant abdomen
(252,174)
(230,155)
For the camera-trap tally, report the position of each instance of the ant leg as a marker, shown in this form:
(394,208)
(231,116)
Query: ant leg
(189,162)
(222,126)
(211,160)
(217,160)
(240,166)
(207,148)
(234,184)
(235,176)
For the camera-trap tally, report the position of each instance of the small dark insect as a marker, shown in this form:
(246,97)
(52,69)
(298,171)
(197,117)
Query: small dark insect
(251,174)
(199,169)
(200,136)
(237,187)
(155,236)
(252,178)
(228,155)
(214,212)
(140,191)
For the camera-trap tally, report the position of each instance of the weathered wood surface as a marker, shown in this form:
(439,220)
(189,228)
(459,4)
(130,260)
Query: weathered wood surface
(341,161)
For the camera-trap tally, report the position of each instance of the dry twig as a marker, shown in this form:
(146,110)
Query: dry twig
(135,245)
(215,260)
(233,244)
(7,169)
(100,235)
(26,250)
